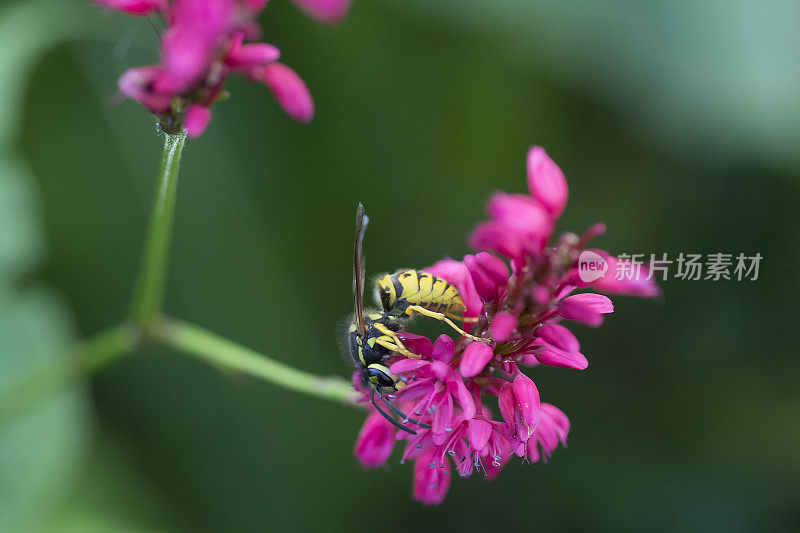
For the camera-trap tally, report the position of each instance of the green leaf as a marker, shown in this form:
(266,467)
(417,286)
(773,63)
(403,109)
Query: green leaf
(42,450)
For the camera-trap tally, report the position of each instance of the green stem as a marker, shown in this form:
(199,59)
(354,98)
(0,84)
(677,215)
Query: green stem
(227,354)
(149,291)
(92,354)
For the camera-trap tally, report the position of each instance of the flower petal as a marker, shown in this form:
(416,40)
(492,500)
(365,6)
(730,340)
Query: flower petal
(484,285)
(289,90)
(138,83)
(587,308)
(431,479)
(475,357)
(494,267)
(559,336)
(478,433)
(375,441)
(417,344)
(456,387)
(546,181)
(443,414)
(506,402)
(407,366)
(456,273)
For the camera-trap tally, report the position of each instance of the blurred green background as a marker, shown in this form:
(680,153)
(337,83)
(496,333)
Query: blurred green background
(676,123)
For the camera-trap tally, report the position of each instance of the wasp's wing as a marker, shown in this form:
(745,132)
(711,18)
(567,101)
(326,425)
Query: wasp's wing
(358,268)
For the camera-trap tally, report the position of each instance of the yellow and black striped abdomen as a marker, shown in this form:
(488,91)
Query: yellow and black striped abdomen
(402,289)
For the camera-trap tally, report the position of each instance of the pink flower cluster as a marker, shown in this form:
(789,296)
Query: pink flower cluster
(518,289)
(204,42)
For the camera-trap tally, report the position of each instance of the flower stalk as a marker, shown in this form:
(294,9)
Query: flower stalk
(148,293)
(228,355)
(92,354)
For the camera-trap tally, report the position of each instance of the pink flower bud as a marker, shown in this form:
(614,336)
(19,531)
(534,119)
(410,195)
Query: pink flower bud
(484,285)
(245,57)
(254,6)
(475,357)
(502,326)
(138,83)
(196,120)
(559,336)
(587,308)
(457,273)
(527,397)
(546,182)
(519,226)
(443,349)
(289,90)
(329,11)
(493,267)
(552,356)
(488,274)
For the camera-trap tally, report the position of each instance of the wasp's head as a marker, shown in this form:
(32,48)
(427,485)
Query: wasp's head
(378,377)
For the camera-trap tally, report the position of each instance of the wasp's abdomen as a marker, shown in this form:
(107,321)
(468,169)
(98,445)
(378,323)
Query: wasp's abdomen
(402,289)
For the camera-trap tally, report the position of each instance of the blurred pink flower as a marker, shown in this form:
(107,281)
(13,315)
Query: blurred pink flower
(203,43)
(329,11)
(196,120)
(134,7)
(288,89)
(375,441)
(517,288)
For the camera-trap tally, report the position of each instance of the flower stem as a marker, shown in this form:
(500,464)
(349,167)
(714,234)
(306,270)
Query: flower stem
(147,321)
(224,353)
(92,354)
(148,294)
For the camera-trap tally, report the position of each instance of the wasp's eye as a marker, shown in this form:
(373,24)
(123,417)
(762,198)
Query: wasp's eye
(379,377)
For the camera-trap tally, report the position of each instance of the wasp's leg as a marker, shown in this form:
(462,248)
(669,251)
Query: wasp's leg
(392,347)
(443,318)
(387,416)
(461,318)
(399,346)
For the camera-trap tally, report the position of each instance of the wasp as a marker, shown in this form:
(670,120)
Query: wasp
(407,292)
(373,338)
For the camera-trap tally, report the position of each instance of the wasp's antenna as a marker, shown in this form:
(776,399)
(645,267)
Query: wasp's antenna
(387,416)
(399,412)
